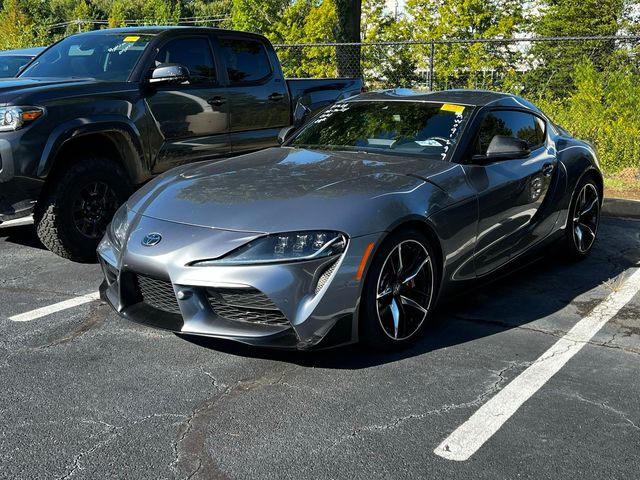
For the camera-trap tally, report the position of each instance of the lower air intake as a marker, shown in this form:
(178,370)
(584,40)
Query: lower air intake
(158,294)
(245,305)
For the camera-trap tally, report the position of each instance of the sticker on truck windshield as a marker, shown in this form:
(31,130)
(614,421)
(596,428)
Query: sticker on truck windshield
(449,107)
(131,39)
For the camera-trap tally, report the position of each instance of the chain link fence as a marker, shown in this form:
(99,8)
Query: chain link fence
(518,65)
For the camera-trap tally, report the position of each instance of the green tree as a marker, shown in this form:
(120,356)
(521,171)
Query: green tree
(556,61)
(118,14)
(260,16)
(466,64)
(15,27)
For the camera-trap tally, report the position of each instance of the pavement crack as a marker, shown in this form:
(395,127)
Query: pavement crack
(189,447)
(477,401)
(609,408)
(112,432)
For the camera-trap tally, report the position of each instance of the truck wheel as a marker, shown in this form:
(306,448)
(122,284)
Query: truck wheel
(75,211)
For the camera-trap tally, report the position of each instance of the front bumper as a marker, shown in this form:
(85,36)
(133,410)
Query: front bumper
(18,194)
(296,305)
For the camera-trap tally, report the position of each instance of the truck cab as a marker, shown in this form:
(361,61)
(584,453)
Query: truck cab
(100,113)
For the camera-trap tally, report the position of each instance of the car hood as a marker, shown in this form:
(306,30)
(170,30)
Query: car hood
(13,88)
(286,189)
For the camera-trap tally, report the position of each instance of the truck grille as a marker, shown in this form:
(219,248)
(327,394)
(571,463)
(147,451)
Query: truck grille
(158,294)
(245,305)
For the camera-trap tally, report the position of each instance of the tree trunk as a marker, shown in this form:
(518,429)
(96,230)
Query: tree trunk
(348,31)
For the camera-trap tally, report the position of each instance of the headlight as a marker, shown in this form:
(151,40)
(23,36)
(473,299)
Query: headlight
(119,226)
(13,118)
(284,247)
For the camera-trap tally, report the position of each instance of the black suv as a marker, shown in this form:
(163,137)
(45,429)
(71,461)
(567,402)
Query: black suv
(99,113)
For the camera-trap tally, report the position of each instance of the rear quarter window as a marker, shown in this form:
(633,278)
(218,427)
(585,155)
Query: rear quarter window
(246,60)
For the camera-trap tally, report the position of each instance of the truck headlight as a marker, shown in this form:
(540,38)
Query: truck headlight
(284,247)
(13,118)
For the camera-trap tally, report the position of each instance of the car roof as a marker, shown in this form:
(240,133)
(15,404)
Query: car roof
(32,52)
(470,97)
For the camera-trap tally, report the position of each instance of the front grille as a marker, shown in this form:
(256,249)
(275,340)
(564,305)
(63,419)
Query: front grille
(245,305)
(158,294)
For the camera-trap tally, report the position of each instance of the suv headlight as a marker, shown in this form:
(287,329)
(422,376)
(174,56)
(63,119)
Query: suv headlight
(119,226)
(284,247)
(13,118)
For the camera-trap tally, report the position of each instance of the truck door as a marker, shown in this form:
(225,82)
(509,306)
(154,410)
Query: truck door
(192,119)
(259,100)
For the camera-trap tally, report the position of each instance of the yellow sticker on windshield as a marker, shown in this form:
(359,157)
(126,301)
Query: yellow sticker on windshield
(131,39)
(448,107)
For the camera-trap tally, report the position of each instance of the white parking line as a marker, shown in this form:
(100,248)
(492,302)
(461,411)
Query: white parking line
(56,307)
(486,421)
(18,222)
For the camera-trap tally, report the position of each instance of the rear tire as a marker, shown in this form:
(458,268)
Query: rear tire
(583,221)
(400,291)
(73,214)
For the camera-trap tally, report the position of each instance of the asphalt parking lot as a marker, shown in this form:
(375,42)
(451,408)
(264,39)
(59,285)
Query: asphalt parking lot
(86,394)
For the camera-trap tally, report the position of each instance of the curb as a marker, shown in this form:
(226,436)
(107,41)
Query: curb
(619,207)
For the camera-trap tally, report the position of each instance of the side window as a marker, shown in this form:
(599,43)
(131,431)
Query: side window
(246,60)
(511,124)
(193,53)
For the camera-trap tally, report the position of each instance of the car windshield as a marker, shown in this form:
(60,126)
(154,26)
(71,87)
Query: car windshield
(415,128)
(10,64)
(105,56)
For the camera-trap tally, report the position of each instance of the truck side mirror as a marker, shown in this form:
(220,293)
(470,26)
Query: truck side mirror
(169,73)
(285,133)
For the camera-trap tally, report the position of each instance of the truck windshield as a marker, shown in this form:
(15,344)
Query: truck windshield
(107,56)
(414,128)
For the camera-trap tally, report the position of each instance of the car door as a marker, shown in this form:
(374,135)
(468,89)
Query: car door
(511,191)
(192,118)
(259,101)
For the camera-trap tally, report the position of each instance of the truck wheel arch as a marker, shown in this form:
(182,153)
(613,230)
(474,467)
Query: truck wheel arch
(120,140)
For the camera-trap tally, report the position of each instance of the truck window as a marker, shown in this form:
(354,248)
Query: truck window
(246,60)
(193,53)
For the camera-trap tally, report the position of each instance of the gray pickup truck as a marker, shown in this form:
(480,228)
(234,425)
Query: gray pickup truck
(100,113)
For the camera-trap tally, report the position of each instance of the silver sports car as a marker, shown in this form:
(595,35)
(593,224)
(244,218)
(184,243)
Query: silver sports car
(356,226)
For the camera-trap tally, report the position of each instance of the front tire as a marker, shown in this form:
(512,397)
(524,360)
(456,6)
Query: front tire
(399,292)
(74,212)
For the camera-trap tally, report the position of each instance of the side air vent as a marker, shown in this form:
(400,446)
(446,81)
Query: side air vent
(324,278)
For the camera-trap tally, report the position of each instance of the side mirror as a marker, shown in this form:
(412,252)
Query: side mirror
(503,147)
(285,133)
(169,73)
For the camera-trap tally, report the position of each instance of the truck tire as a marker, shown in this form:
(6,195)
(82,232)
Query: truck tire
(75,210)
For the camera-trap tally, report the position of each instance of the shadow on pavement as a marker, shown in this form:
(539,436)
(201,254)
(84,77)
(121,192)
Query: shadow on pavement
(24,235)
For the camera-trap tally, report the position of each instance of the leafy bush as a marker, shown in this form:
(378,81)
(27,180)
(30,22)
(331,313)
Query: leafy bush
(604,109)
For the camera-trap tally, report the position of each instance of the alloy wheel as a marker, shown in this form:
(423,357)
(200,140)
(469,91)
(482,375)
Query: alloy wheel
(405,290)
(585,217)
(93,209)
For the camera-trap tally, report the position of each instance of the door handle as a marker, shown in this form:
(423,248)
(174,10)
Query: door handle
(274,97)
(216,101)
(547,169)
